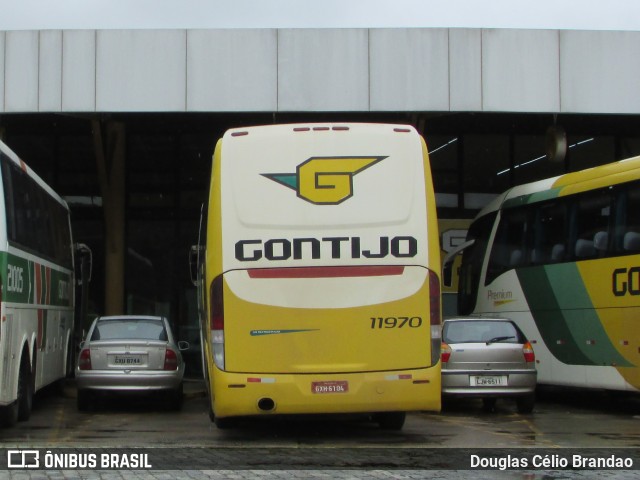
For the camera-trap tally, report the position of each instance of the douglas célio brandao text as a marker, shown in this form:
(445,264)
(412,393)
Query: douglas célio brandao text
(572,461)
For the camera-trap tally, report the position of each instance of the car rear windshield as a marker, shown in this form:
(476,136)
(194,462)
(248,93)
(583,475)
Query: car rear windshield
(135,329)
(476,331)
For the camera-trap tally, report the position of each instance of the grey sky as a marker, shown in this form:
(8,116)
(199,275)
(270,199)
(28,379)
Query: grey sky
(112,14)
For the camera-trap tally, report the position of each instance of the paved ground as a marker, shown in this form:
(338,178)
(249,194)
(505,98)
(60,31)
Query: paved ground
(185,445)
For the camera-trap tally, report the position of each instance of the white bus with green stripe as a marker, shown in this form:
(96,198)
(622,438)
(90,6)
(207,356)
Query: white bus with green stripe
(37,287)
(561,257)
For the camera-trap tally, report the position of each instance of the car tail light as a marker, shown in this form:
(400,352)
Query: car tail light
(445,352)
(527,350)
(170,360)
(217,321)
(84,361)
(435,318)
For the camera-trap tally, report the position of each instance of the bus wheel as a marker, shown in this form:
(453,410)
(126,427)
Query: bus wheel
(25,390)
(225,423)
(391,420)
(70,367)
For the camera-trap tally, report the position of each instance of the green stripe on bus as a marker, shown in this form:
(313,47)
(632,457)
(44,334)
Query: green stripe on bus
(569,326)
(531,198)
(18,277)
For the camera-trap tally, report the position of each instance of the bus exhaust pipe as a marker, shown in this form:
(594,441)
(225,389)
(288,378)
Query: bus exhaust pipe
(266,404)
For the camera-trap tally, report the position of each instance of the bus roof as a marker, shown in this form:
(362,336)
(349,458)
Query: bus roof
(570,183)
(10,154)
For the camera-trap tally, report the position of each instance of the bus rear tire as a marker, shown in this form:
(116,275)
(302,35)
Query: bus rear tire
(225,423)
(25,390)
(391,420)
(69,366)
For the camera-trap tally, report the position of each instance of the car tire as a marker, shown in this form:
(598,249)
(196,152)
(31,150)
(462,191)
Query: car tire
(525,404)
(83,400)
(176,397)
(391,420)
(489,404)
(9,415)
(25,390)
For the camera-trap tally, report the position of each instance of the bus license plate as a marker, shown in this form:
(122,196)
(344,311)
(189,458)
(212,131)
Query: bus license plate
(488,380)
(127,360)
(339,386)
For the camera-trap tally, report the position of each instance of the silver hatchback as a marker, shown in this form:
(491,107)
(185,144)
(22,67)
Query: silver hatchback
(130,353)
(490,359)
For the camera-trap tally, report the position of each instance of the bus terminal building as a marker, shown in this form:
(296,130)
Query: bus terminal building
(123,123)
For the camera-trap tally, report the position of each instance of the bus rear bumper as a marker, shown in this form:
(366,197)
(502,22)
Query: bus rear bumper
(263,394)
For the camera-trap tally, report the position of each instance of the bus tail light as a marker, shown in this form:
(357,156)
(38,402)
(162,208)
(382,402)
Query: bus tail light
(170,360)
(529,355)
(435,315)
(84,361)
(445,352)
(217,321)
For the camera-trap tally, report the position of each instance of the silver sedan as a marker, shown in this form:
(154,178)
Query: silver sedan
(130,353)
(488,358)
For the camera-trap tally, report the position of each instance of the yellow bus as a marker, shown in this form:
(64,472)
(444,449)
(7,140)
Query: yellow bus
(319,273)
(561,257)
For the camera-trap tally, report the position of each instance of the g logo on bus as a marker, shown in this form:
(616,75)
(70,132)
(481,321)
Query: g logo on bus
(324,180)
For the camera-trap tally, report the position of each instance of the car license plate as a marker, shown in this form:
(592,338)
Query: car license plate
(339,386)
(126,360)
(488,380)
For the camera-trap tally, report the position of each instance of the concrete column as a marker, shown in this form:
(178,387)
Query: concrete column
(110,150)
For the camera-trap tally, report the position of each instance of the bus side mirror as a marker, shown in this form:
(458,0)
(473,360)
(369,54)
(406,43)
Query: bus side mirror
(85,263)
(194,262)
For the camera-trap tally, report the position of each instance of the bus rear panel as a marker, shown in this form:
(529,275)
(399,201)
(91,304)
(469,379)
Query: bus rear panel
(322,272)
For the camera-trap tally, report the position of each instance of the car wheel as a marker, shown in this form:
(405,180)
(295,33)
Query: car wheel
(9,415)
(525,404)
(25,390)
(176,397)
(83,400)
(489,404)
(391,420)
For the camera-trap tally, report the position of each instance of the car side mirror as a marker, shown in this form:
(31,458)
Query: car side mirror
(183,345)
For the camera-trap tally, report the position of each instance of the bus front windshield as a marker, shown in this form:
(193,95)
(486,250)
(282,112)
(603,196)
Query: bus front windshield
(471,265)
